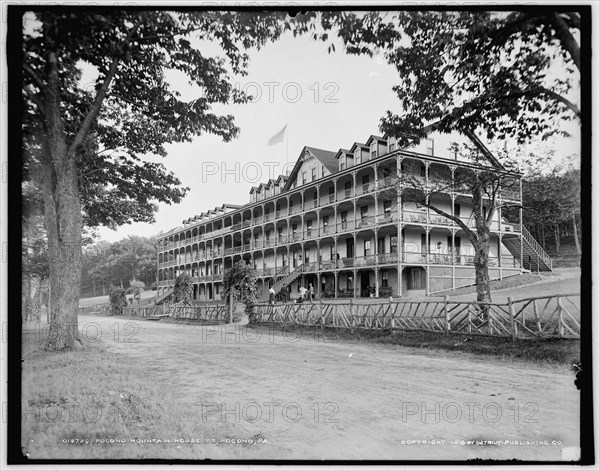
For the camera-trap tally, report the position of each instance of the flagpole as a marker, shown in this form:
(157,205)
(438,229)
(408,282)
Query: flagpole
(287,146)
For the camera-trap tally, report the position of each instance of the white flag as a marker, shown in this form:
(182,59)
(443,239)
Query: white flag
(277,138)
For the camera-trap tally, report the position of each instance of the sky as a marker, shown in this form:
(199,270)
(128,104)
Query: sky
(327,100)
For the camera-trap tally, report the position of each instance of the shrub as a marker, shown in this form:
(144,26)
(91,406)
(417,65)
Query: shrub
(118,300)
(182,291)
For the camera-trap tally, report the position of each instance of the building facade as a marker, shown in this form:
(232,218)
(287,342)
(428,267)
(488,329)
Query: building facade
(341,222)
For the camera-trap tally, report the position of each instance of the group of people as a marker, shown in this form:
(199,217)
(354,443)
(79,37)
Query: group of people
(285,294)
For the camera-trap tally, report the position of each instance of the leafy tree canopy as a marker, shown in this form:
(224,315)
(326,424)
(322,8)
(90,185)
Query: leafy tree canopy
(130,110)
(510,74)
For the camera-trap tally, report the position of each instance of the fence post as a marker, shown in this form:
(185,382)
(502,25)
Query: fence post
(321,313)
(230,308)
(446,315)
(351,319)
(561,326)
(511,314)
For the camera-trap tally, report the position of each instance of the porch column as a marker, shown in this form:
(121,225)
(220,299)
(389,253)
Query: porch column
(335,284)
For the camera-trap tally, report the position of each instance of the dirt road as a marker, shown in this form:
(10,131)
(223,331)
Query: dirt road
(313,399)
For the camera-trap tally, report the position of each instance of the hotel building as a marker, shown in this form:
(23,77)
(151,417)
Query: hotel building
(342,222)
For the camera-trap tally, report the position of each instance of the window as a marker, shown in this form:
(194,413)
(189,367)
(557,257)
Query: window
(278,207)
(315,199)
(357,155)
(364,210)
(457,209)
(303,178)
(429,146)
(325,221)
(279,233)
(416,278)
(322,171)
(387,206)
(314,173)
(367,247)
(348,189)
(381,245)
(308,228)
(373,149)
(423,171)
(344,217)
(284,259)
(343,162)
(391,144)
(393,244)
(268,235)
(384,276)
(365,182)
(294,228)
(349,285)
(331,194)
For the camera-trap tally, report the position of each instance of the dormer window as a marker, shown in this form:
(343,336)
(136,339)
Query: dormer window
(303,178)
(357,155)
(314,173)
(391,144)
(373,149)
(429,146)
(343,162)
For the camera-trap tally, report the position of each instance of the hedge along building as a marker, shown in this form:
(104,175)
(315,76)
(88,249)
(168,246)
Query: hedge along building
(342,222)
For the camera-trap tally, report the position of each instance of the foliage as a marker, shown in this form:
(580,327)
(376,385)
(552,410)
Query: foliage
(139,112)
(239,283)
(85,144)
(118,300)
(136,287)
(551,200)
(468,70)
(133,257)
(183,290)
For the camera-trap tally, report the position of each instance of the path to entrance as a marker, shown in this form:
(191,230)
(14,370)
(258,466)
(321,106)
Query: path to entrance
(319,399)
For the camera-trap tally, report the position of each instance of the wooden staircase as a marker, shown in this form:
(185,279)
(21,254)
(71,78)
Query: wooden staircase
(535,257)
(277,282)
(166,296)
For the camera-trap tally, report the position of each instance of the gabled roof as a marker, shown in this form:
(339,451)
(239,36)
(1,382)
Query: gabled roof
(326,157)
(344,151)
(358,144)
(374,137)
(253,190)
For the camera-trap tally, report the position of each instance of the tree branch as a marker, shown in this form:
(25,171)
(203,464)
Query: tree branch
(34,76)
(96,105)
(567,40)
(572,106)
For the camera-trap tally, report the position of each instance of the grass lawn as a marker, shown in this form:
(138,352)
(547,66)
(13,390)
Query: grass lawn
(73,400)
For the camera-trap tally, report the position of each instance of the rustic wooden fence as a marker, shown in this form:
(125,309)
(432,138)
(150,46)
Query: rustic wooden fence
(544,316)
(95,310)
(209,312)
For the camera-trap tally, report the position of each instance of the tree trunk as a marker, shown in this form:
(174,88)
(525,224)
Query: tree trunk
(576,235)
(543,237)
(557,238)
(64,224)
(481,262)
(481,243)
(25,296)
